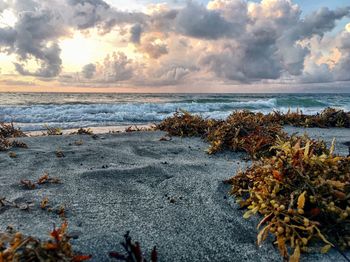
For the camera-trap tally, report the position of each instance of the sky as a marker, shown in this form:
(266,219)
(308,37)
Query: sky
(174,46)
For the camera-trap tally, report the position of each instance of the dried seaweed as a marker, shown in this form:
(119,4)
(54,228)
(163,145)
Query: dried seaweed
(303,192)
(6,144)
(44,179)
(4,203)
(59,153)
(330,117)
(242,131)
(136,128)
(53,131)
(14,246)
(133,251)
(12,154)
(9,131)
(183,123)
(83,131)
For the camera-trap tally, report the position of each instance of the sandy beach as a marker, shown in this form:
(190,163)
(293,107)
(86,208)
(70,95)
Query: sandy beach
(168,194)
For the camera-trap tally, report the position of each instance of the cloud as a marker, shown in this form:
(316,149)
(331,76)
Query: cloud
(153,47)
(116,68)
(196,21)
(89,70)
(40,25)
(34,35)
(88,14)
(233,41)
(270,46)
(342,68)
(136,32)
(3,6)
(321,21)
(7,37)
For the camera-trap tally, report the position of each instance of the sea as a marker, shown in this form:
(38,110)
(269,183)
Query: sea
(32,111)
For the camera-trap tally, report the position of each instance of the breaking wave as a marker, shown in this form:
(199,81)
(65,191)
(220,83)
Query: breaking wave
(73,112)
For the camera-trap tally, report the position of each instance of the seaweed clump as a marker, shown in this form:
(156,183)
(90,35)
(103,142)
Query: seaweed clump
(241,131)
(53,131)
(183,123)
(83,131)
(9,131)
(303,192)
(329,117)
(14,246)
(244,131)
(44,179)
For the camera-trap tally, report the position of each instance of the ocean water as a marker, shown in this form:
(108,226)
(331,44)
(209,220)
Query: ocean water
(31,111)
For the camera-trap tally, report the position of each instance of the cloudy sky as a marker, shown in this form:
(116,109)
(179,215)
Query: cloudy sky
(175,45)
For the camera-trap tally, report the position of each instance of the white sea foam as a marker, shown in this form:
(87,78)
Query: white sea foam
(73,113)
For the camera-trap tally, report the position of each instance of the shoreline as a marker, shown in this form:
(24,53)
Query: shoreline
(96,130)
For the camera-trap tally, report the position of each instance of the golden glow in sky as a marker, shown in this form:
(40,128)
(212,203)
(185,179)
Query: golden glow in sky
(83,49)
(347,27)
(175,45)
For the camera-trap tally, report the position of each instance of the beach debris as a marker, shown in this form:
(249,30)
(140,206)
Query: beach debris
(53,131)
(79,142)
(61,211)
(135,128)
(44,179)
(59,153)
(28,184)
(9,131)
(329,117)
(133,251)
(83,131)
(241,131)
(44,203)
(19,144)
(183,123)
(12,154)
(6,144)
(17,247)
(303,194)
(22,206)
(166,138)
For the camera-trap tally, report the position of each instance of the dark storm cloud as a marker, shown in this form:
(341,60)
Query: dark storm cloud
(88,71)
(136,32)
(196,21)
(269,46)
(97,13)
(321,21)
(267,41)
(7,37)
(40,24)
(50,62)
(36,33)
